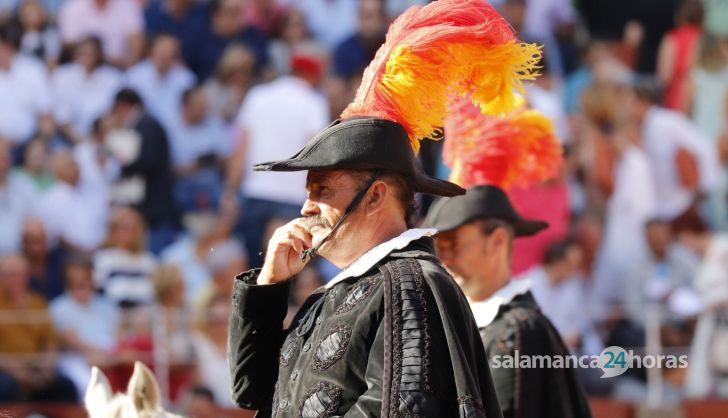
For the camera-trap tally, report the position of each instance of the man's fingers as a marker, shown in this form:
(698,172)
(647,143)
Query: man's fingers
(303,234)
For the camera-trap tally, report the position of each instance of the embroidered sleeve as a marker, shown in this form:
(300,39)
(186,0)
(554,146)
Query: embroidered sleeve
(407,351)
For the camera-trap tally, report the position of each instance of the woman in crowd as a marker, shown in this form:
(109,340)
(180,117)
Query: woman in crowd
(123,267)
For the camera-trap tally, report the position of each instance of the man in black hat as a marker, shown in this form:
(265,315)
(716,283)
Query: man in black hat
(392,335)
(475,241)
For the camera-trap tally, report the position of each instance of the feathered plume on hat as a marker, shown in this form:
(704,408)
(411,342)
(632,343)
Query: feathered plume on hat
(516,149)
(448,47)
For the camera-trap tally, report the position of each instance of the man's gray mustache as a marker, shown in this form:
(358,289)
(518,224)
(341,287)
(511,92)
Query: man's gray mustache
(316,220)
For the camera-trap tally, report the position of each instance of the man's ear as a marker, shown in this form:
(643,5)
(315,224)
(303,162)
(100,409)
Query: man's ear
(376,196)
(500,237)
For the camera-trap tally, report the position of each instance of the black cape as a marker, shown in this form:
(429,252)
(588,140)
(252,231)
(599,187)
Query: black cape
(531,392)
(399,340)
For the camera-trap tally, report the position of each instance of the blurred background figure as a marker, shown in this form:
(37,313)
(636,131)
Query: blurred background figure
(118,23)
(147,166)
(73,209)
(86,323)
(210,344)
(28,369)
(200,403)
(676,55)
(83,89)
(199,147)
(44,262)
(40,37)
(122,269)
(25,102)
(19,199)
(232,79)
(225,28)
(262,138)
(161,79)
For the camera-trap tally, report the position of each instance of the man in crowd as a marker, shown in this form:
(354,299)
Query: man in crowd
(199,146)
(24,102)
(27,347)
(475,241)
(225,28)
(18,201)
(118,23)
(161,79)
(73,210)
(264,136)
(151,165)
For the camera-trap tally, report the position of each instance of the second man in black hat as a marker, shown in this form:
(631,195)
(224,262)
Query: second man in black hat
(475,241)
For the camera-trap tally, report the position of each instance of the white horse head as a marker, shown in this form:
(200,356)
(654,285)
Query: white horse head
(141,400)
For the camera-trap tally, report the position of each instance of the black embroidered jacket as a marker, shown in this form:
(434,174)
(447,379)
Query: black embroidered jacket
(398,341)
(535,392)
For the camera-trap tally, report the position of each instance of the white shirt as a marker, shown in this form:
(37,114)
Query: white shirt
(542,17)
(214,370)
(194,271)
(72,213)
(95,323)
(486,311)
(561,303)
(161,93)
(549,103)
(18,201)
(189,142)
(712,278)
(113,24)
(279,118)
(663,133)
(330,21)
(377,253)
(630,206)
(125,276)
(79,98)
(25,95)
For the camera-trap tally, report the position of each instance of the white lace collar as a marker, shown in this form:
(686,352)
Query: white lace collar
(485,311)
(376,254)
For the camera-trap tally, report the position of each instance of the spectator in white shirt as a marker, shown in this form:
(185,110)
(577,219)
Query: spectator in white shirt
(25,99)
(330,21)
(207,232)
(87,323)
(276,118)
(706,375)
(200,144)
(73,210)
(630,206)
(161,79)
(684,163)
(40,36)
(83,89)
(122,270)
(18,200)
(559,292)
(542,96)
(119,24)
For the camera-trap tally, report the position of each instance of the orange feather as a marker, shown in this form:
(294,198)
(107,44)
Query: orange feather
(460,47)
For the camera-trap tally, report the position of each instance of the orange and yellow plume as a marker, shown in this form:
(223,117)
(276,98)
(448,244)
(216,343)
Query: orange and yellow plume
(448,47)
(513,150)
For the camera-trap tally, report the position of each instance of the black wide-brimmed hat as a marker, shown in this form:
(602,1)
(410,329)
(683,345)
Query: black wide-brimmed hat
(480,202)
(364,144)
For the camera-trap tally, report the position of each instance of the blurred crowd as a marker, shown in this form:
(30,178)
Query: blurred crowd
(128,131)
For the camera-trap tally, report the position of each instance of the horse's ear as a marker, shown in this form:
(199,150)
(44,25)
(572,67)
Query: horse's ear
(143,389)
(98,393)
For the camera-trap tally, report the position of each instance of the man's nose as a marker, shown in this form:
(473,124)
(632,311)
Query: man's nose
(309,208)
